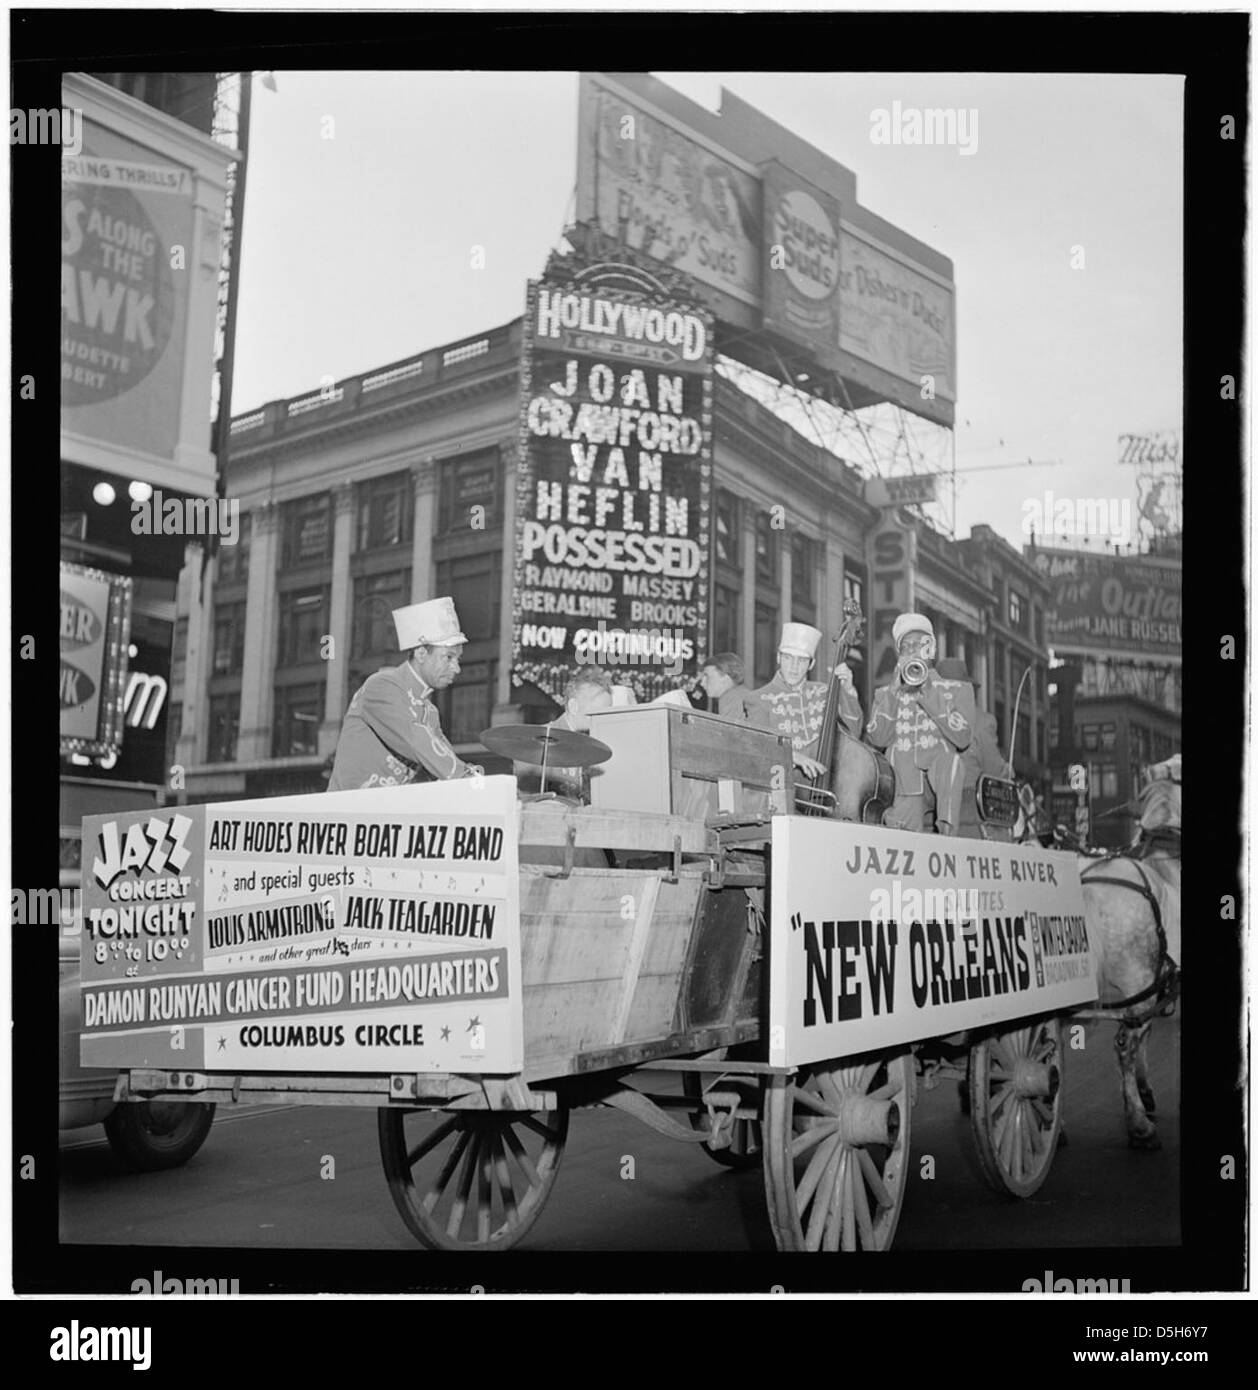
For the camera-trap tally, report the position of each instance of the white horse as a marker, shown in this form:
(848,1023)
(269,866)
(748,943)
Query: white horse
(1132,908)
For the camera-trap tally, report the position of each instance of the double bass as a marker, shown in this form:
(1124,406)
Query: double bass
(857,783)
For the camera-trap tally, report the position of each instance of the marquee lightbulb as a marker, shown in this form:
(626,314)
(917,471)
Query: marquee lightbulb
(140,492)
(103,494)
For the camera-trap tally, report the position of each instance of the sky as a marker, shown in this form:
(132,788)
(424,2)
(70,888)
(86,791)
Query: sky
(368,192)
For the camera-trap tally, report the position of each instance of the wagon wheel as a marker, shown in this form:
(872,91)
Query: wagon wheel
(836,1152)
(1015,1105)
(746,1146)
(471,1179)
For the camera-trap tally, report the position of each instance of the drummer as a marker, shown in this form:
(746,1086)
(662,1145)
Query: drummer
(392,732)
(586,692)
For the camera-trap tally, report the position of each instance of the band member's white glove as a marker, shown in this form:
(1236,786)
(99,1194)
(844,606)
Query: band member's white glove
(809,766)
(844,673)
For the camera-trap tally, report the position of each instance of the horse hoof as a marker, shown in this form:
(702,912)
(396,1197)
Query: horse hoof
(1146,1143)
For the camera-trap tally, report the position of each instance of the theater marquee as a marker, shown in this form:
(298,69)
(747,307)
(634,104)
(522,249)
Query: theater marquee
(614,487)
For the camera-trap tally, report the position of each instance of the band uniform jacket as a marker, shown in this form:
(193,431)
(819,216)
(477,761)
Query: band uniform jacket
(799,711)
(392,735)
(924,729)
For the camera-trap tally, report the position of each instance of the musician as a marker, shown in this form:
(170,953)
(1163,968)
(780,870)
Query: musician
(392,732)
(982,758)
(925,723)
(791,704)
(587,691)
(722,680)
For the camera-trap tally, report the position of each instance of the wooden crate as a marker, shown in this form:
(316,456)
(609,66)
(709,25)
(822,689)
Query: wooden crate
(602,955)
(690,764)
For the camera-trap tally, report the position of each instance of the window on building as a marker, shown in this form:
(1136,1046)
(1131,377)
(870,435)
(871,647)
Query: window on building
(998,709)
(375,598)
(765,660)
(224,722)
(229,638)
(998,664)
(804,553)
(1024,734)
(474,582)
(468,493)
(467,706)
(1090,737)
(298,714)
(1037,620)
(385,512)
(766,550)
(303,625)
(233,560)
(727,530)
(853,586)
(1109,735)
(307,530)
(1017,611)
(1041,742)
(726,619)
(1054,729)
(1106,781)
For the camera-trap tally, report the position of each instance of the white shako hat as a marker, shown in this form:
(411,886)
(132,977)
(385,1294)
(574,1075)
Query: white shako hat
(799,639)
(432,624)
(910,622)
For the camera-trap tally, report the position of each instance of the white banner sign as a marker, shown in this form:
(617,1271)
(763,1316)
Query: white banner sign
(882,937)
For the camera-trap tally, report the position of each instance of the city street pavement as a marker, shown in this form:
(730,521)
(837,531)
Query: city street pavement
(256,1182)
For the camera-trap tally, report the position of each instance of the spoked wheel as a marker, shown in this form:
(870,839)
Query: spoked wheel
(836,1152)
(471,1179)
(1015,1105)
(746,1141)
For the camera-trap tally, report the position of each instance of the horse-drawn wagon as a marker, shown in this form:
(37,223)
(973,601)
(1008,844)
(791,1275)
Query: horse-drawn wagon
(475,966)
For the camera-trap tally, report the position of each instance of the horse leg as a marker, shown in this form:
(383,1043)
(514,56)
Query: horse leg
(1145,1091)
(1141,1132)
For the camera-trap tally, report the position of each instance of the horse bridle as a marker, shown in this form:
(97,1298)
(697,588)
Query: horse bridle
(1166,977)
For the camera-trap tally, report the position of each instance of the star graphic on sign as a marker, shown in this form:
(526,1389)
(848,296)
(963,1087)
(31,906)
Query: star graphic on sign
(445,1035)
(473,1024)
(222,1043)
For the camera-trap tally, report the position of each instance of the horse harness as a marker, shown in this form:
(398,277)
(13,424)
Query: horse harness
(1166,978)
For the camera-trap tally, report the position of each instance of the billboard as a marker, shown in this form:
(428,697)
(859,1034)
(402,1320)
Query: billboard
(767,247)
(1112,603)
(124,304)
(613,487)
(802,262)
(667,193)
(94,632)
(897,318)
(881,937)
(344,932)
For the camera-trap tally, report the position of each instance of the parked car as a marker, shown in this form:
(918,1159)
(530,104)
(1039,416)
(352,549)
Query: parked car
(145,1135)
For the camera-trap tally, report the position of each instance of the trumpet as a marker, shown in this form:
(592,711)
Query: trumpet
(914,671)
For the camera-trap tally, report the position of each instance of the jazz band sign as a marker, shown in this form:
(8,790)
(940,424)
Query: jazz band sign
(883,937)
(343,932)
(612,511)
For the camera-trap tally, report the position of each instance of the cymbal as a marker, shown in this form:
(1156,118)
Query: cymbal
(533,743)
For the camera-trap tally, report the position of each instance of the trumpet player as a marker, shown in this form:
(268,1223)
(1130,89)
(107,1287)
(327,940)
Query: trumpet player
(924,722)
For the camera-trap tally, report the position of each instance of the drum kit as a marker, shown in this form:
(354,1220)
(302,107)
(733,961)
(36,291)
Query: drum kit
(545,747)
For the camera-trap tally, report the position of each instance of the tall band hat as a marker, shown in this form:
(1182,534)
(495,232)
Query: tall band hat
(430,624)
(798,639)
(911,622)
